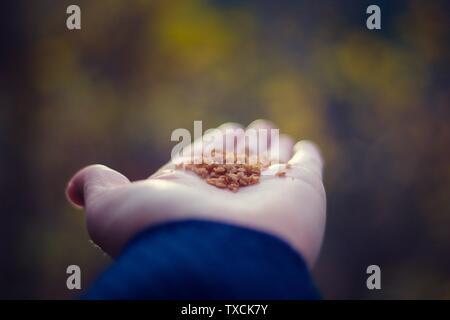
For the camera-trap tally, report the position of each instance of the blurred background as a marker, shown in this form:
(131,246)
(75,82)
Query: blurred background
(377,102)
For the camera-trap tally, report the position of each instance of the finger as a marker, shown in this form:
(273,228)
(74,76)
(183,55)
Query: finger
(225,138)
(258,135)
(91,181)
(229,125)
(281,149)
(307,155)
(262,124)
(212,139)
(233,136)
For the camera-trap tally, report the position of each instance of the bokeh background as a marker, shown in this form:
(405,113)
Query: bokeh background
(377,102)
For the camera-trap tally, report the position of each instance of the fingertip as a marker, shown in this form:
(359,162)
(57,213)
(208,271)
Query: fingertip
(284,147)
(307,155)
(309,147)
(261,124)
(91,180)
(230,125)
(287,140)
(74,195)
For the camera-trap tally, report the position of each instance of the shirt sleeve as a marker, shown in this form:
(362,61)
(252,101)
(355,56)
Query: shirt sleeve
(197,259)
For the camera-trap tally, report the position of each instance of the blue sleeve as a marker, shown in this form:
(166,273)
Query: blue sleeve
(197,259)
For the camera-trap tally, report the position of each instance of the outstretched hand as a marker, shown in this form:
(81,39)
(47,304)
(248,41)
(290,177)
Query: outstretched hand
(292,207)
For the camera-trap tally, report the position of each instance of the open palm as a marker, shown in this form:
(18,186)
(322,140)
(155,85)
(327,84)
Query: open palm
(291,207)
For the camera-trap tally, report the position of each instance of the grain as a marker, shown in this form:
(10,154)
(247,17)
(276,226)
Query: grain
(234,174)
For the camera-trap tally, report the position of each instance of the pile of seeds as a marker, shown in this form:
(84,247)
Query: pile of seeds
(231,176)
(233,172)
(228,175)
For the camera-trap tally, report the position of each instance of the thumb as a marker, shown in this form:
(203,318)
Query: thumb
(91,181)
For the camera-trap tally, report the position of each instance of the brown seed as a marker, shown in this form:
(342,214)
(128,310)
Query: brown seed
(202,172)
(219,169)
(221,185)
(281,174)
(243,182)
(233,175)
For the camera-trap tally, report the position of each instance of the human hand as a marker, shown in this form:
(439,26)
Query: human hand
(292,207)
